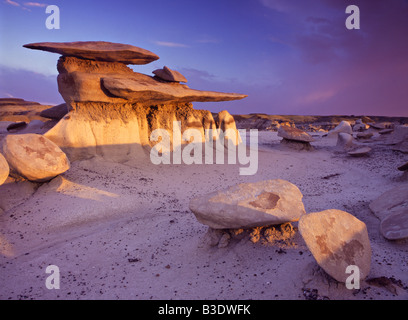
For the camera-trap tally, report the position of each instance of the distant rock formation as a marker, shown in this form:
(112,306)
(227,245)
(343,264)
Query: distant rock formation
(113,109)
(345,141)
(169,75)
(19,110)
(57,112)
(295,138)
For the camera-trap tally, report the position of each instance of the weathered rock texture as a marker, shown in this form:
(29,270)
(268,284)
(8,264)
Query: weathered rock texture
(359,152)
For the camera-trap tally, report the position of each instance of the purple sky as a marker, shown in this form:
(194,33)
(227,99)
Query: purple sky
(289,56)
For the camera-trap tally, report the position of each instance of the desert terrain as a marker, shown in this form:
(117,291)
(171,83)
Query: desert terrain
(112,191)
(123,230)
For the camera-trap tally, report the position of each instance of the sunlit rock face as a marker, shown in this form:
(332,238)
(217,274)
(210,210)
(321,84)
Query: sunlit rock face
(337,240)
(113,110)
(250,205)
(392,209)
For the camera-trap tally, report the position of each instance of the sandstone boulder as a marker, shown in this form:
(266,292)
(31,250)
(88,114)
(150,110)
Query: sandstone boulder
(395,225)
(34,157)
(226,123)
(345,141)
(392,200)
(57,112)
(82,80)
(145,89)
(295,138)
(292,133)
(392,209)
(249,205)
(399,135)
(98,50)
(337,240)
(360,126)
(168,74)
(364,135)
(4,169)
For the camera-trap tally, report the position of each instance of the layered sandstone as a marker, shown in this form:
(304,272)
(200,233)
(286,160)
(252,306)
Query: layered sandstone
(114,110)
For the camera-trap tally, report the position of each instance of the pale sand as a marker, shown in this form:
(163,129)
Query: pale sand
(124,231)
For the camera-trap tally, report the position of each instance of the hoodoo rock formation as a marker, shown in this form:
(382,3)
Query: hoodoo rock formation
(113,110)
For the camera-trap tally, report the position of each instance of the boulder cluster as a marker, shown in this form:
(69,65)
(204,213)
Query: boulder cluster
(113,109)
(336,238)
(349,137)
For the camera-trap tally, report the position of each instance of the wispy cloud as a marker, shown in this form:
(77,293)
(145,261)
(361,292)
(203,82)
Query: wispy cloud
(317,96)
(13,3)
(35,4)
(171,44)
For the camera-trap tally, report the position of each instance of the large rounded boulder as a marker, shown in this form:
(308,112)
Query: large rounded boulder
(34,157)
(248,205)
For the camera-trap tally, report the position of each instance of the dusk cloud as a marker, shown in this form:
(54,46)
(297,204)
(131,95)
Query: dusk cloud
(35,4)
(170,44)
(13,3)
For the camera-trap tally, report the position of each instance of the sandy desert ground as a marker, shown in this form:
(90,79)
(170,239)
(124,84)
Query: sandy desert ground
(125,231)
